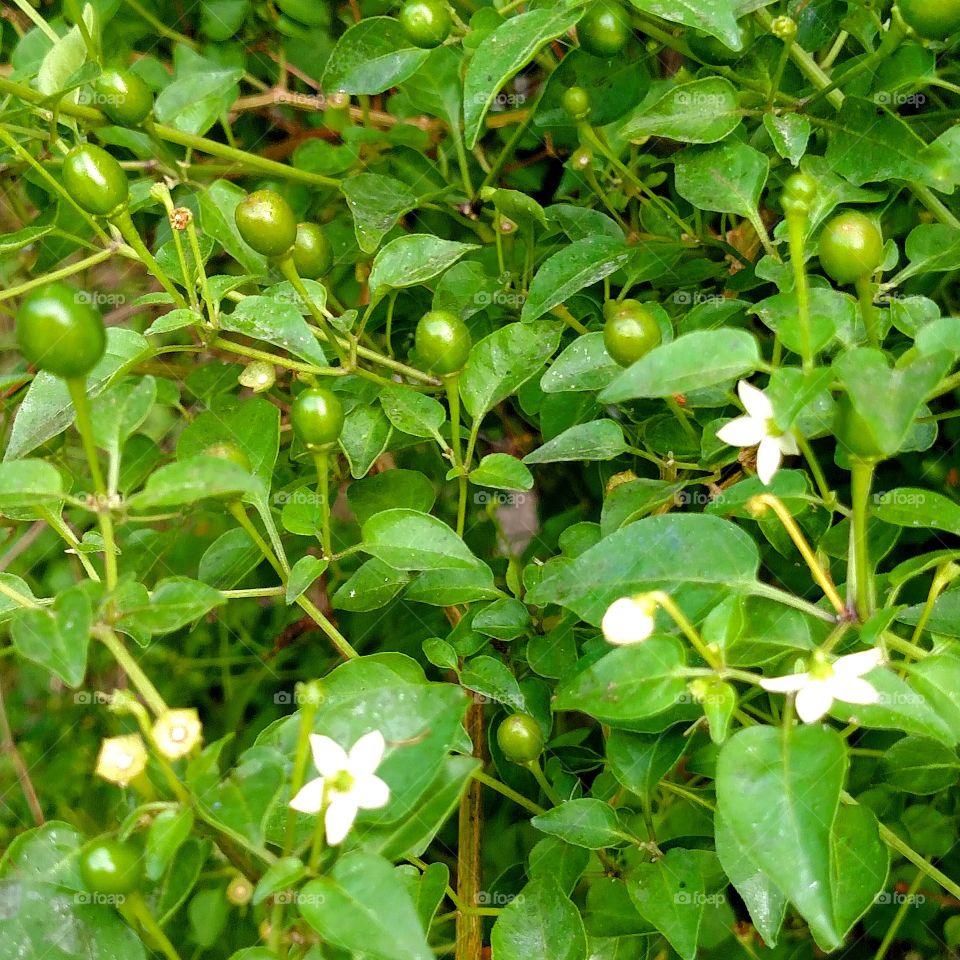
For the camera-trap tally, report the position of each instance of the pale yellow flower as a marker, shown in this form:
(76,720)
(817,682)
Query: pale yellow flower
(177,732)
(121,759)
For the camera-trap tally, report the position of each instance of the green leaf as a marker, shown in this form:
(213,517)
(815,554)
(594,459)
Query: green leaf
(362,907)
(905,387)
(504,361)
(937,679)
(931,248)
(597,440)
(725,179)
(691,362)
(194,102)
(365,435)
(899,707)
(831,314)
(693,557)
(118,412)
(372,56)
(860,861)
(373,585)
(641,760)
(66,56)
(303,575)
(501,54)
(174,602)
(504,619)
(385,491)
(491,678)
(167,832)
(412,260)
(281,874)
(277,322)
(916,507)
(47,409)
(789,133)
(920,766)
(716,17)
(446,586)
(869,145)
(411,412)
(435,87)
(778,792)
(412,836)
(377,203)
(669,893)
(56,637)
(411,540)
(29,483)
(18,239)
(502,472)
(764,901)
(572,268)
(703,111)
(584,365)
(540,922)
(628,683)
(584,823)
(188,481)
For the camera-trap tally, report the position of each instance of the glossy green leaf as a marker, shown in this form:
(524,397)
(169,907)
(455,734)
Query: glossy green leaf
(372,56)
(702,111)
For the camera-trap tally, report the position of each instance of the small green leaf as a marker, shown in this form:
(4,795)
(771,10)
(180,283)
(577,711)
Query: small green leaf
(703,111)
(412,260)
(584,823)
(597,440)
(56,637)
(303,574)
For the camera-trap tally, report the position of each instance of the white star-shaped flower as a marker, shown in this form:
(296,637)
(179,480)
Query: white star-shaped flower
(346,785)
(629,620)
(758,429)
(825,682)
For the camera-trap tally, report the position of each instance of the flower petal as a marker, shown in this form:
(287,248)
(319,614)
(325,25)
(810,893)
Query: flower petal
(853,690)
(813,701)
(857,664)
(742,432)
(309,798)
(339,818)
(366,753)
(627,620)
(789,684)
(328,756)
(754,401)
(769,458)
(370,793)
(788,444)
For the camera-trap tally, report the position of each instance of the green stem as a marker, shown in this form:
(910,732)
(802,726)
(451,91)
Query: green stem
(861,477)
(139,909)
(508,792)
(81,405)
(289,271)
(124,223)
(202,274)
(944,576)
(690,632)
(68,271)
(899,917)
(534,767)
(132,669)
(866,288)
(796,227)
(339,641)
(17,597)
(908,853)
(321,459)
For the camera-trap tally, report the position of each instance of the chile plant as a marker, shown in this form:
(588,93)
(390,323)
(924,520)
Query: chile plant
(479,479)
